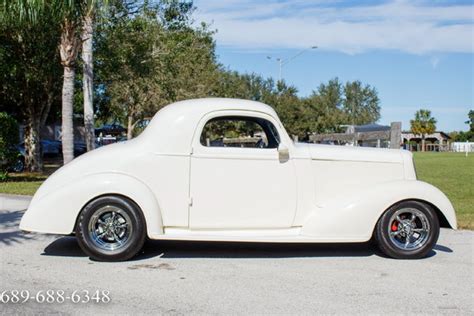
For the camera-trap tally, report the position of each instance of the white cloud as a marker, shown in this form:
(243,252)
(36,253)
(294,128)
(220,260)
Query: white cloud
(412,27)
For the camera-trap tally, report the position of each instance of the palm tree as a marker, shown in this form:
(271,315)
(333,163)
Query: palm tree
(423,124)
(69,47)
(87,9)
(91,6)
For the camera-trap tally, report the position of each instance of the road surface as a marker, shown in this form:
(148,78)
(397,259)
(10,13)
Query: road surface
(235,278)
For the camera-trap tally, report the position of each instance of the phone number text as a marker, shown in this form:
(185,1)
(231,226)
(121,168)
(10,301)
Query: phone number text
(55,296)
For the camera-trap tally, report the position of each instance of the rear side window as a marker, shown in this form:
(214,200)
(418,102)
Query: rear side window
(239,131)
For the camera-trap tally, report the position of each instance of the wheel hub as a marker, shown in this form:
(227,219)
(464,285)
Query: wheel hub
(406,228)
(409,229)
(110,228)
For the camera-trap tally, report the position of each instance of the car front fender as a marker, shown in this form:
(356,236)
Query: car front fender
(55,210)
(353,217)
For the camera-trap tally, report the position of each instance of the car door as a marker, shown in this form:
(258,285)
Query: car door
(237,177)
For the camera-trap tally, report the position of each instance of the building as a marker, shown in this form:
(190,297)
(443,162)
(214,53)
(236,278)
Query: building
(438,141)
(376,135)
(369,135)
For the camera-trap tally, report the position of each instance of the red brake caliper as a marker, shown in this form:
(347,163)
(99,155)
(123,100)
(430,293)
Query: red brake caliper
(394,226)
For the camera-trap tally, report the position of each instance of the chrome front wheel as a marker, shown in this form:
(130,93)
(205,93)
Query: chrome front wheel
(408,230)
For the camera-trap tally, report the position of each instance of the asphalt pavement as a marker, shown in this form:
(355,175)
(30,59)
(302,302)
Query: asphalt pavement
(231,278)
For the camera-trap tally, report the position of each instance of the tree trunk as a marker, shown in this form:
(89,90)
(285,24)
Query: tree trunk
(67,113)
(33,159)
(130,127)
(423,143)
(88,81)
(68,49)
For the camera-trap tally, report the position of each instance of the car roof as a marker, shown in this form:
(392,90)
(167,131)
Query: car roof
(171,130)
(206,105)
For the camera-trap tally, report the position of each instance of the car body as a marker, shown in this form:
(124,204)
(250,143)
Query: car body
(187,189)
(48,148)
(110,129)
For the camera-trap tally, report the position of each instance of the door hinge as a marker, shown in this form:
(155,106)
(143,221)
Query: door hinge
(192,150)
(190,201)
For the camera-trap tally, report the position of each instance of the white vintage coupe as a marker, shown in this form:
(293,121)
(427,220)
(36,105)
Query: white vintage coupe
(226,170)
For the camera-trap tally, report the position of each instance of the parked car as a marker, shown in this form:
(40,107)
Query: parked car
(79,148)
(176,182)
(50,148)
(110,129)
(47,148)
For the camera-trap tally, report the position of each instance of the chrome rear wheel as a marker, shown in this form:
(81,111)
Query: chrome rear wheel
(111,228)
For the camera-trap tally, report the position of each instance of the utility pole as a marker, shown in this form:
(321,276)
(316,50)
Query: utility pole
(282,62)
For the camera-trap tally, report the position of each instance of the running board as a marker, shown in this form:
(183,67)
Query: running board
(270,235)
(278,235)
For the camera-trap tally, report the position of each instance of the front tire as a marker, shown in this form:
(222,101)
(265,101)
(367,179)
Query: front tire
(407,230)
(19,165)
(111,228)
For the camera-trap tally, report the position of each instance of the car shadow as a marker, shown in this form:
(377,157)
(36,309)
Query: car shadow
(68,247)
(249,250)
(64,247)
(443,248)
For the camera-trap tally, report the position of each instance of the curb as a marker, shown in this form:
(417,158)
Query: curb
(13,202)
(16,196)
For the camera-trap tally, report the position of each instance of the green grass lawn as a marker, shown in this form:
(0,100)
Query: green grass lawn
(27,183)
(22,183)
(453,173)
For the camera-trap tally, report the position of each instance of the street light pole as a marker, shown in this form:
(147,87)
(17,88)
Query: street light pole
(282,62)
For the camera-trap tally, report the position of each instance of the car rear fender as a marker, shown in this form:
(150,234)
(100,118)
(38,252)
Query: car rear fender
(43,214)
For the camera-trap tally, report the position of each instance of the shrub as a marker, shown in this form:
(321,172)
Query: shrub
(9,138)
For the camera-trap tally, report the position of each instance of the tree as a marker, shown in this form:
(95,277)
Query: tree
(423,124)
(471,121)
(8,141)
(323,108)
(68,15)
(468,136)
(72,16)
(91,9)
(289,108)
(150,58)
(29,74)
(361,103)
(88,75)
(128,65)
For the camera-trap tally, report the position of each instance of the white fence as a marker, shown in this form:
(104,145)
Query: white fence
(462,147)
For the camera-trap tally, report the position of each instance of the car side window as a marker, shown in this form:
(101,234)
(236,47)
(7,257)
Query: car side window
(239,131)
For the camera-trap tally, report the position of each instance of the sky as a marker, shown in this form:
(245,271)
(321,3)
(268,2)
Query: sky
(417,54)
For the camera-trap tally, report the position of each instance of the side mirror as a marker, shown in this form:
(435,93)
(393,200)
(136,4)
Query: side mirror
(283,153)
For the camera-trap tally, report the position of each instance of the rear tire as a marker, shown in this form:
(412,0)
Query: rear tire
(111,228)
(407,230)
